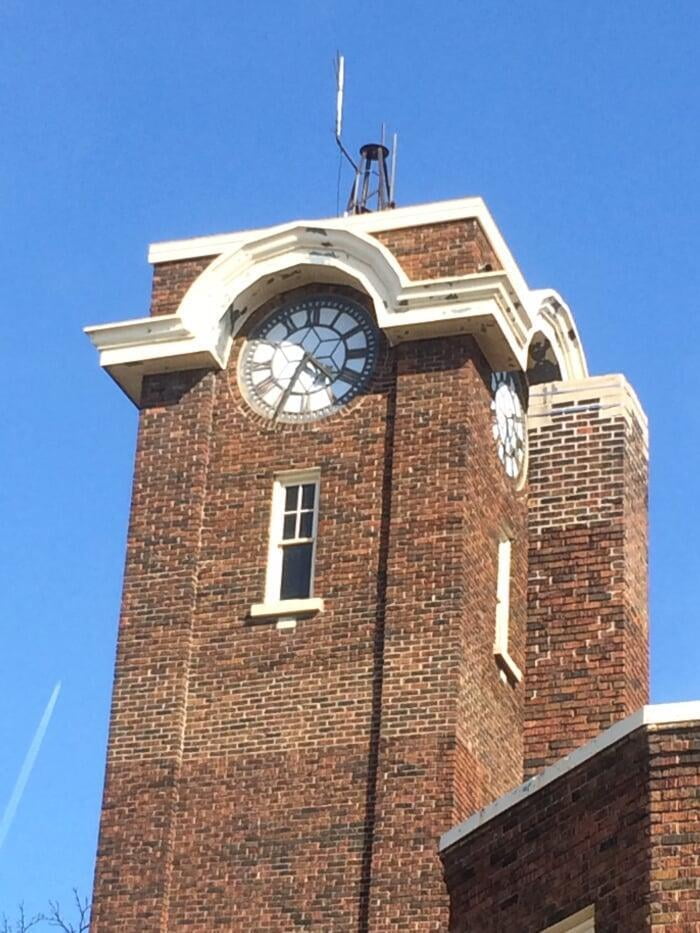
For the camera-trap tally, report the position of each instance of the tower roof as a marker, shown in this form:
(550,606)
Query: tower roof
(489,299)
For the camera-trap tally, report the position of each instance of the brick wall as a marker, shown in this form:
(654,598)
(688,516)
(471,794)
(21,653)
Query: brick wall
(674,752)
(581,840)
(587,654)
(275,780)
(270,780)
(620,831)
(149,704)
(450,731)
(457,247)
(172,279)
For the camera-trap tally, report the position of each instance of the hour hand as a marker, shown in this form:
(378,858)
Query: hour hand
(322,368)
(290,385)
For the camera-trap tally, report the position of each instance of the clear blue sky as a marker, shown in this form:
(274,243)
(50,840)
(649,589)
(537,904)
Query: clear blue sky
(124,123)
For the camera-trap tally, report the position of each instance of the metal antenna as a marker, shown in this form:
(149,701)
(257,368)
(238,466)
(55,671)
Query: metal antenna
(339,96)
(373,160)
(340,90)
(392,177)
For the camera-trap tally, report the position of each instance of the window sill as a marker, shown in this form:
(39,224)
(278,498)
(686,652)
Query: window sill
(287,607)
(508,666)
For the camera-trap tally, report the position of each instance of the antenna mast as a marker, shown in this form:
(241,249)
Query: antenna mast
(373,186)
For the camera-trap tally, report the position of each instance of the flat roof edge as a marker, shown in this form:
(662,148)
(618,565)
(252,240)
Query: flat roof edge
(373,221)
(657,714)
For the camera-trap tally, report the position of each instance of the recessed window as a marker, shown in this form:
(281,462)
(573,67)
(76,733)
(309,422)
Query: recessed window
(507,666)
(294,521)
(581,922)
(505,547)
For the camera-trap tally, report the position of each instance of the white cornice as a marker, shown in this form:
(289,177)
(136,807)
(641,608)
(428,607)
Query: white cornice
(373,222)
(129,350)
(495,307)
(659,714)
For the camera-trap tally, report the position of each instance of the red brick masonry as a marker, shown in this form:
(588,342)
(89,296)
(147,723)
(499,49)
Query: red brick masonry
(587,631)
(620,830)
(266,780)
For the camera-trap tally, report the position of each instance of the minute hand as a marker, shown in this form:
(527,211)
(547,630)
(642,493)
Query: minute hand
(290,385)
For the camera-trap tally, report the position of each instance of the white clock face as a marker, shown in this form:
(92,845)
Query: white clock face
(308,358)
(509,424)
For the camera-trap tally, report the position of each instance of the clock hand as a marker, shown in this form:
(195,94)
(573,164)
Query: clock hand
(322,368)
(290,385)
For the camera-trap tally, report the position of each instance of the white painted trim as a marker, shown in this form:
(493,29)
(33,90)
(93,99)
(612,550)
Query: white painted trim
(583,921)
(413,215)
(659,714)
(497,308)
(503,581)
(129,350)
(287,607)
(615,398)
(273,573)
(556,322)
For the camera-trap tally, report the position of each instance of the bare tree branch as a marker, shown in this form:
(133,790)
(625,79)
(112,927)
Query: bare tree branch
(22,924)
(79,922)
(82,921)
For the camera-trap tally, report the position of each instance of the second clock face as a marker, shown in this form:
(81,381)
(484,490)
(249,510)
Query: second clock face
(509,424)
(308,358)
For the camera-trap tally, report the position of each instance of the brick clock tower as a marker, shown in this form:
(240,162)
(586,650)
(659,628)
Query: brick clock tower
(386,559)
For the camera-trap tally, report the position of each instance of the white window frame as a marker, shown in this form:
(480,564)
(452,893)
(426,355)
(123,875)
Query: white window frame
(288,609)
(507,666)
(583,921)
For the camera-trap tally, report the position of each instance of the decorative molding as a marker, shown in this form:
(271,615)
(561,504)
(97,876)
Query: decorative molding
(647,716)
(556,322)
(497,308)
(414,215)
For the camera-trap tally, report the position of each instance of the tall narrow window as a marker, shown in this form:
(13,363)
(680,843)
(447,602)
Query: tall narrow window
(509,669)
(293,527)
(503,595)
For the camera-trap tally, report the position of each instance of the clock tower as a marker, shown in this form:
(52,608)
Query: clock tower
(333,606)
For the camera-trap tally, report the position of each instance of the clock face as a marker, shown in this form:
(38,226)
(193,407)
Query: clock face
(509,424)
(308,358)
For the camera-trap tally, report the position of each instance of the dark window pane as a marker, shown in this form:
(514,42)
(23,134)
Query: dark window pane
(296,571)
(289,530)
(306,525)
(307,495)
(290,498)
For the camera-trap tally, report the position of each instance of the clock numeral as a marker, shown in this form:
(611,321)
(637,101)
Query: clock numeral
(258,367)
(286,321)
(351,333)
(313,316)
(358,354)
(265,385)
(349,375)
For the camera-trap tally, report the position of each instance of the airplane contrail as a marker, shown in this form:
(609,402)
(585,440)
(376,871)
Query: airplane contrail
(27,765)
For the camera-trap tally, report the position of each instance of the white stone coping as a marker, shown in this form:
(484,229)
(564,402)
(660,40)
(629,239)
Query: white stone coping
(497,307)
(614,396)
(287,608)
(412,215)
(658,714)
